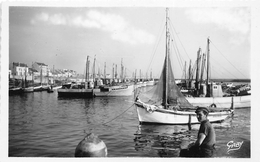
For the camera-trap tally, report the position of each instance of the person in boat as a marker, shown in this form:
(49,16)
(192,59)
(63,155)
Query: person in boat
(206,139)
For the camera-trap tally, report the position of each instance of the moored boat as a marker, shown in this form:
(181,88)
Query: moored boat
(50,89)
(165,104)
(15,90)
(114,91)
(211,94)
(37,88)
(221,102)
(158,115)
(74,90)
(28,89)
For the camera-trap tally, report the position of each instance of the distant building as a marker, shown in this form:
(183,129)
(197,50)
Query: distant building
(19,69)
(41,68)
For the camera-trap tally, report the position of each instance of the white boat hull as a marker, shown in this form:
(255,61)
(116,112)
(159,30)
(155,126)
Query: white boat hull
(37,88)
(28,89)
(150,83)
(163,116)
(221,102)
(115,91)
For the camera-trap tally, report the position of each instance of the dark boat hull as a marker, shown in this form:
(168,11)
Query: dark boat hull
(79,93)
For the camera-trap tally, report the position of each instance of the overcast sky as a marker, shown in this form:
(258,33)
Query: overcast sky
(63,37)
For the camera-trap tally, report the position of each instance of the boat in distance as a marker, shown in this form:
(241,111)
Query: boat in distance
(114,91)
(74,90)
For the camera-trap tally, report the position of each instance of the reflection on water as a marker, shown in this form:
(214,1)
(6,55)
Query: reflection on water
(163,139)
(168,140)
(44,125)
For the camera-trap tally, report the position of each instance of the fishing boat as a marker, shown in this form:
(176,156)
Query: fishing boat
(114,91)
(39,87)
(26,88)
(165,104)
(74,90)
(211,94)
(221,102)
(118,87)
(15,86)
(50,89)
(81,90)
(15,90)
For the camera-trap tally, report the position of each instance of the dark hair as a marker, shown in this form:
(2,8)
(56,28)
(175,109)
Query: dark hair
(203,109)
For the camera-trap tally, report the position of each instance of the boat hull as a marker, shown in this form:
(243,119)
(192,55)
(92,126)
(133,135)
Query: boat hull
(221,102)
(162,116)
(16,90)
(50,90)
(28,90)
(150,83)
(45,87)
(38,89)
(84,93)
(115,91)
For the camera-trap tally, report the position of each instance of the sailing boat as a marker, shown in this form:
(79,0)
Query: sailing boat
(165,104)
(115,89)
(26,88)
(39,87)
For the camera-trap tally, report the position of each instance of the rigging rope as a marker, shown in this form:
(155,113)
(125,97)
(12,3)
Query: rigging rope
(223,67)
(179,39)
(227,59)
(177,52)
(155,48)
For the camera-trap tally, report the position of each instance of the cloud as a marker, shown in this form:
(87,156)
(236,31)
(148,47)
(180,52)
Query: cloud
(231,19)
(116,25)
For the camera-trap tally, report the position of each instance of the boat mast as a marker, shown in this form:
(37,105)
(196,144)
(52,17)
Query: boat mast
(87,70)
(41,75)
(207,81)
(116,72)
(113,72)
(190,76)
(105,71)
(32,75)
(140,74)
(125,74)
(165,85)
(94,66)
(122,70)
(197,72)
(202,68)
(151,75)
(185,78)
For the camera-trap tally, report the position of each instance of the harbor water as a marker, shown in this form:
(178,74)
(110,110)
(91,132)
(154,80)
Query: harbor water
(42,124)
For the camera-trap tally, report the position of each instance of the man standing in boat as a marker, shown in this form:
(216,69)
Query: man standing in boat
(204,145)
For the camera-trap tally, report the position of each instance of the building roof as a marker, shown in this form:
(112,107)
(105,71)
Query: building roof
(33,70)
(19,64)
(41,64)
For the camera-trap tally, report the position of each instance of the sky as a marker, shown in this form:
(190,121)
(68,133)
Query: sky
(63,37)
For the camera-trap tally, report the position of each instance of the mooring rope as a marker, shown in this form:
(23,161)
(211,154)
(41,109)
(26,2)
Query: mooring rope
(118,115)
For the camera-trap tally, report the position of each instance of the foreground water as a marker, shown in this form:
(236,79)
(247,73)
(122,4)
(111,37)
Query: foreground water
(43,125)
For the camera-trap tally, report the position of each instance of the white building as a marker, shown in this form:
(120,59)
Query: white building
(19,69)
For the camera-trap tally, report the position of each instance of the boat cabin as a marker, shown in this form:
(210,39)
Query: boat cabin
(216,90)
